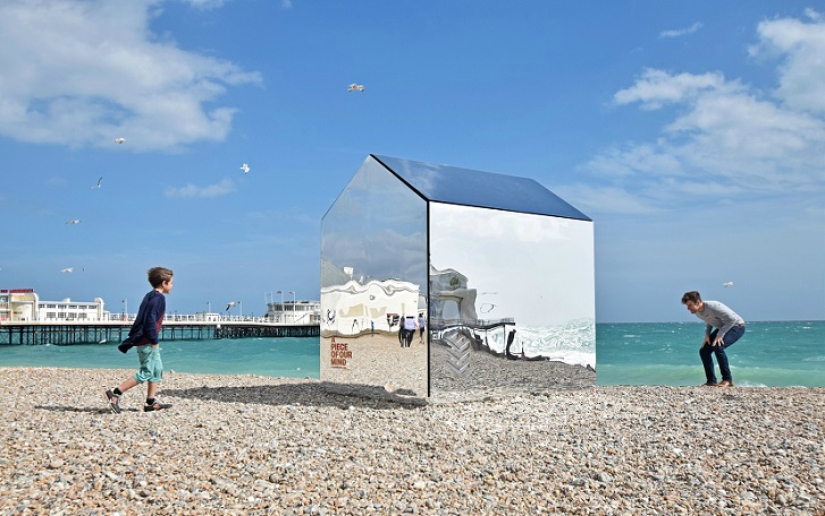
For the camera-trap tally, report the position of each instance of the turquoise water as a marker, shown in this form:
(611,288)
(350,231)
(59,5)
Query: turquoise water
(773,354)
(282,357)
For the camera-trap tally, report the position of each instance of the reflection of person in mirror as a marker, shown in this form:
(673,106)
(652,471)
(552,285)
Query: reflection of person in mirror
(421,328)
(510,337)
(410,324)
(510,356)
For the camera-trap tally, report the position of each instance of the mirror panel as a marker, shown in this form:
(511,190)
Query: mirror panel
(373,285)
(512,300)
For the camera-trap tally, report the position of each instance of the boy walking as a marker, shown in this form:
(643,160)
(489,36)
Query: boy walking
(144,335)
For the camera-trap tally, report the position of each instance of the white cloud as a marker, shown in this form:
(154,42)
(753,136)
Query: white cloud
(675,33)
(647,158)
(189,191)
(57,182)
(802,47)
(726,140)
(95,71)
(205,4)
(592,199)
(813,15)
(658,87)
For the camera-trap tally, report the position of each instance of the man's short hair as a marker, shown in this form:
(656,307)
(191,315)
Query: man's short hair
(691,296)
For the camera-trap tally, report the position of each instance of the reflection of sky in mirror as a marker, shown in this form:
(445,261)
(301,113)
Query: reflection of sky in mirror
(536,269)
(444,183)
(377,226)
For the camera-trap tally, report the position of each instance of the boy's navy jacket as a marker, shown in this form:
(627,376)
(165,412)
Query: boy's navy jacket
(146,328)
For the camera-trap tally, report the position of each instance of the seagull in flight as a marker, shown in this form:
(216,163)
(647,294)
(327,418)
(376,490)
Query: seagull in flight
(727,284)
(245,168)
(229,305)
(68,269)
(355,87)
(75,221)
(120,140)
(99,183)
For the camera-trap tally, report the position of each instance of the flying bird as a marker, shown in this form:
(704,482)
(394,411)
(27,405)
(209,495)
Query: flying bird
(727,284)
(68,269)
(75,221)
(99,183)
(245,168)
(120,140)
(229,305)
(355,87)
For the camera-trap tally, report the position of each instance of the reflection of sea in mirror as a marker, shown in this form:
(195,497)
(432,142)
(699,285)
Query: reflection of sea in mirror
(574,343)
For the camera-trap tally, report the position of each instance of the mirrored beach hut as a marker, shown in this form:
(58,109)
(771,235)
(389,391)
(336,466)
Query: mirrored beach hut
(443,281)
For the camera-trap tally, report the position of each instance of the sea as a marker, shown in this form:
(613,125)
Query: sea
(770,354)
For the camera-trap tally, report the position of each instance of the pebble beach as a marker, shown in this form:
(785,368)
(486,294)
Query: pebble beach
(259,445)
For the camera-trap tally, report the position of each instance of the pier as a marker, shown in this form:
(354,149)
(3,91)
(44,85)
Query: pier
(440,325)
(102,332)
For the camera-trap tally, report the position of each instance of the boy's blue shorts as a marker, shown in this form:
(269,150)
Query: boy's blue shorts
(151,367)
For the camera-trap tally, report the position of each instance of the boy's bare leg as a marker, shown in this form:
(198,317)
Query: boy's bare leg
(128,384)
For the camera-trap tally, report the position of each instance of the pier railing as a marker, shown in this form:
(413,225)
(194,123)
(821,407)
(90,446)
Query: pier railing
(103,332)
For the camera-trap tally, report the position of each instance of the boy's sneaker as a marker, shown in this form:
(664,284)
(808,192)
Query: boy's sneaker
(151,407)
(114,401)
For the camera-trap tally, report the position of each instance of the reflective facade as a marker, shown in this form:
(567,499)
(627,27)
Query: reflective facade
(441,280)
(373,282)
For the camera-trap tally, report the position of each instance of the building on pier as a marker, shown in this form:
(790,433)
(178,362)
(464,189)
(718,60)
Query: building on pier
(294,312)
(24,305)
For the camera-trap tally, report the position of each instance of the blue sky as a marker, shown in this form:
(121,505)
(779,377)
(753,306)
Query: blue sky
(692,133)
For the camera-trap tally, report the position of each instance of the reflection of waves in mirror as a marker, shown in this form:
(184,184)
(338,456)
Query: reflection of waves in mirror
(573,343)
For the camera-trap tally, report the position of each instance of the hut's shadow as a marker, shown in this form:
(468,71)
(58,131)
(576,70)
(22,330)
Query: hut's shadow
(326,394)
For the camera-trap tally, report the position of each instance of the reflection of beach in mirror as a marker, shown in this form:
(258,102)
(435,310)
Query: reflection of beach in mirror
(377,359)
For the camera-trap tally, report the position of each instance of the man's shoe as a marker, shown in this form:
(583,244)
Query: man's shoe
(725,383)
(709,384)
(147,407)
(114,401)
